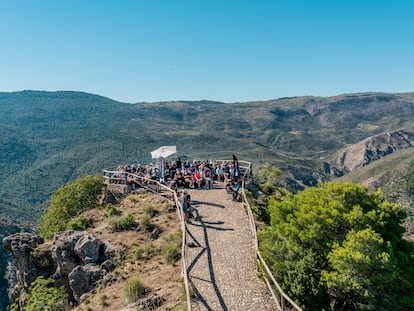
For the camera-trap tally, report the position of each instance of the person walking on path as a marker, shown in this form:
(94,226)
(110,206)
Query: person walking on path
(186,204)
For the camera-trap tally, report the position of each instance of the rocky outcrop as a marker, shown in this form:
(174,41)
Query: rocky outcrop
(366,151)
(21,246)
(82,279)
(75,259)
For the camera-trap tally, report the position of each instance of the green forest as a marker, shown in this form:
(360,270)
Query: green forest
(330,232)
(339,247)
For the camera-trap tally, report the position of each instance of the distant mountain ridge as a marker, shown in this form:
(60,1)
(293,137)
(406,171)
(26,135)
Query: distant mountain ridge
(370,149)
(50,138)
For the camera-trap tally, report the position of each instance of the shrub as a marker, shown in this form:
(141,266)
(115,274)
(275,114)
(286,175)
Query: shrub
(144,251)
(171,249)
(124,223)
(43,296)
(112,211)
(80,223)
(134,289)
(133,199)
(338,246)
(145,222)
(149,210)
(68,201)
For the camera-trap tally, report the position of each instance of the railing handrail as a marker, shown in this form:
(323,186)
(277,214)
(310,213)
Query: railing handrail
(180,213)
(280,304)
(247,167)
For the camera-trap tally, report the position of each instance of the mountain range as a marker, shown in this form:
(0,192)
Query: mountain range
(48,139)
(51,138)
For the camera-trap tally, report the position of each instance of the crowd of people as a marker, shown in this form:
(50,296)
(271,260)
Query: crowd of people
(182,175)
(196,174)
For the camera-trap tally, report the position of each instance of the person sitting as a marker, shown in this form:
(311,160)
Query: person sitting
(199,177)
(220,173)
(228,180)
(188,179)
(235,192)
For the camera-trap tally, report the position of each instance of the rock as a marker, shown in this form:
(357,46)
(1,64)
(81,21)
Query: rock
(150,303)
(108,279)
(72,248)
(21,246)
(155,234)
(85,296)
(87,249)
(130,307)
(76,260)
(83,279)
(108,265)
(368,150)
(106,251)
(63,252)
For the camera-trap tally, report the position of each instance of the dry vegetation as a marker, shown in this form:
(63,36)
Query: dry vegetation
(139,256)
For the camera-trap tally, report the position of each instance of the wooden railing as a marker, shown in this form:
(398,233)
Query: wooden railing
(282,300)
(112,177)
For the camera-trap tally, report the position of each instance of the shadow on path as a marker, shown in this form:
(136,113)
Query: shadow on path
(209,259)
(209,203)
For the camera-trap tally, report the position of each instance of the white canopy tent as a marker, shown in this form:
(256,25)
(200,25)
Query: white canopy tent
(161,153)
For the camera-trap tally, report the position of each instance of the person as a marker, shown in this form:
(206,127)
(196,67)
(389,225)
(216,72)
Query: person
(179,163)
(186,204)
(234,189)
(208,179)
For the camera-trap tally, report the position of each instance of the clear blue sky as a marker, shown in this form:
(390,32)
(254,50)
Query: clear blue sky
(229,51)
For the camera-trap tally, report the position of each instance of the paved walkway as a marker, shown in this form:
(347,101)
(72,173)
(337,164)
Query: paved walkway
(221,256)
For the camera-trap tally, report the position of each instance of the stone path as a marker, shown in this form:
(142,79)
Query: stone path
(221,256)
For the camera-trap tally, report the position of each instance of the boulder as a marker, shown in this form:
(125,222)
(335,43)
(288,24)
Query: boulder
(83,279)
(87,248)
(63,252)
(21,246)
(75,259)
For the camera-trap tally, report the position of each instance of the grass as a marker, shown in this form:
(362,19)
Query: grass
(123,223)
(134,289)
(145,222)
(111,210)
(80,223)
(171,248)
(145,251)
(149,210)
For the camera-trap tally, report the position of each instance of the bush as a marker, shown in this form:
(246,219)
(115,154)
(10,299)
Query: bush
(68,201)
(112,211)
(145,222)
(134,289)
(171,249)
(149,210)
(144,252)
(338,246)
(124,223)
(43,296)
(80,223)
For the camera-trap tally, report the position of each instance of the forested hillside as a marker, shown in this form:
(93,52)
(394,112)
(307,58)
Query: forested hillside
(50,138)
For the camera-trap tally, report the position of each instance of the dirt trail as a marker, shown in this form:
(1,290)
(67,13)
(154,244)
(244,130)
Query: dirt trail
(221,256)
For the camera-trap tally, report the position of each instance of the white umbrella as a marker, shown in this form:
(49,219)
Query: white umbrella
(163,152)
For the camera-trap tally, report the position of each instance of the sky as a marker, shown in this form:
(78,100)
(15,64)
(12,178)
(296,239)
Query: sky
(224,50)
